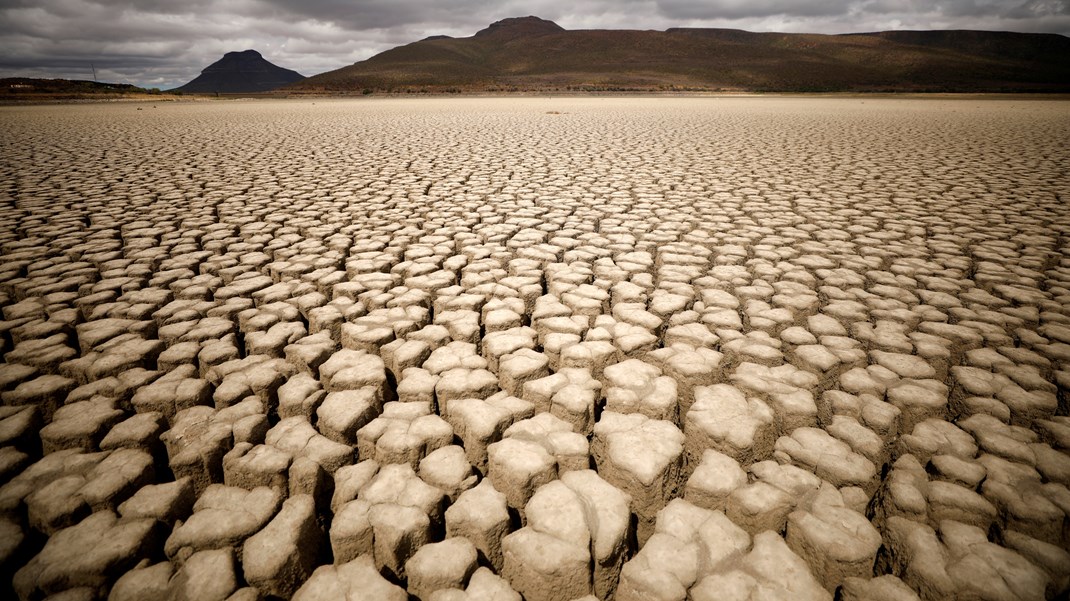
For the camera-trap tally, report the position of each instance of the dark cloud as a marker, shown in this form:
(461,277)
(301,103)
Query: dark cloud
(748,9)
(1038,8)
(374,14)
(163,43)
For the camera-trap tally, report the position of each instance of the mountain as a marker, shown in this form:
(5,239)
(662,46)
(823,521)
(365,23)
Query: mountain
(240,73)
(533,54)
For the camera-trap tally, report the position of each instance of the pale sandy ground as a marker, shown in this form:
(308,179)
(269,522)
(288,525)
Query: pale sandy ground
(668,349)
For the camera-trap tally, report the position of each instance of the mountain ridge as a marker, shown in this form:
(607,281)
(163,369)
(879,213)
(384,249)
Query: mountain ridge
(533,54)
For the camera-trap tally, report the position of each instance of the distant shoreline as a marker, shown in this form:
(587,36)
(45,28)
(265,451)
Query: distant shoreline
(164,97)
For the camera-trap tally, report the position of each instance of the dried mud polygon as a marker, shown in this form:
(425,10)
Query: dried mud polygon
(538,348)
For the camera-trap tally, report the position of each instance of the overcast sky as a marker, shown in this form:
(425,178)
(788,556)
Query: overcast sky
(165,43)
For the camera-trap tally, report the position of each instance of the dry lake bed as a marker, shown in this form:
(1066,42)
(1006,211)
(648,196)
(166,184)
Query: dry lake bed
(536,348)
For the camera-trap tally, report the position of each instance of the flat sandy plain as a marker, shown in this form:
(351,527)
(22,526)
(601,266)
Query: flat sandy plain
(659,349)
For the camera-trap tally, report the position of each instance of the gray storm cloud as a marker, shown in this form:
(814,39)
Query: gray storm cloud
(160,43)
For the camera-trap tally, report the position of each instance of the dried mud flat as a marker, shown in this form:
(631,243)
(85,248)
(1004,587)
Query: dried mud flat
(656,349)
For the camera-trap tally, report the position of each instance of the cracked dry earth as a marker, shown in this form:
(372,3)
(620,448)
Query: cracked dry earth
(471,349)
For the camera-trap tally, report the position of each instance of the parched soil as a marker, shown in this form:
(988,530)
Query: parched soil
(538,348)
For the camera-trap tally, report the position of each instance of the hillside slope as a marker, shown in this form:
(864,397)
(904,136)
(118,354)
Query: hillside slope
(529,53)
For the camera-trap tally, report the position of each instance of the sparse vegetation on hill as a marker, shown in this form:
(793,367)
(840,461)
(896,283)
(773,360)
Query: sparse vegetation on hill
(532,54)
(26,89)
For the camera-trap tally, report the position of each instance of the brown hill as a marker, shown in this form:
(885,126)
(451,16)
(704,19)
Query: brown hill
(529,53)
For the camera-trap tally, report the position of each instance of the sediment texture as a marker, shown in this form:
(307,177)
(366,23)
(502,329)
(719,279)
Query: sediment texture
(536,348)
